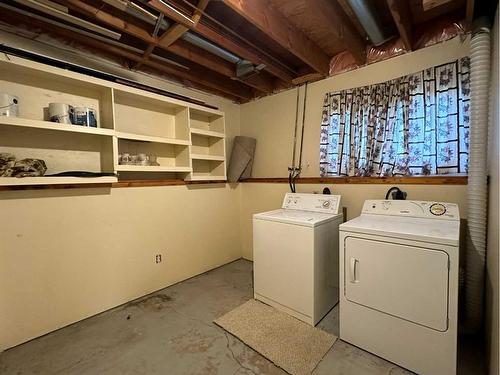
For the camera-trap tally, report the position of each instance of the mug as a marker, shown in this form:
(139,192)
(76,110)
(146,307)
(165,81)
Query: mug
(61,112)
(85,116)
(9,105)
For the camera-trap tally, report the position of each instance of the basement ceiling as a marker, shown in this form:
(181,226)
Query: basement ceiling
(239,49)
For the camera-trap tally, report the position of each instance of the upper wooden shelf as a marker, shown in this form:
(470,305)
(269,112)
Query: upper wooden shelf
(207,157)
(149,168)
(47,125)
(207,133)
(147,138)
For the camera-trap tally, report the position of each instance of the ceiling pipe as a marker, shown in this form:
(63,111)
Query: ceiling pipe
(370,21)
(188,36)
(88,34)
(139,12)
(210,47)
(57,13)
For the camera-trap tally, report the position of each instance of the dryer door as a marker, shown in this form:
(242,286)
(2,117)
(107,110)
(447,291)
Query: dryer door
(408,282)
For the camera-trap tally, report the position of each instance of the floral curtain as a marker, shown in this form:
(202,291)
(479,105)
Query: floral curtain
(412,125)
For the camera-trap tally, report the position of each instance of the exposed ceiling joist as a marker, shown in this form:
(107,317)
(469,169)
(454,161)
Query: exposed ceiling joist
(400,11)
(177,30)
(244,52)
(173,33)
(274,24)
(185,50)
(232,46)
(341,28)
(172,13)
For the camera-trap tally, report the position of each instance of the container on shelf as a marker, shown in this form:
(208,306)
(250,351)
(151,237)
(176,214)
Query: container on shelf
(85,116)
(61,112)
(9,105)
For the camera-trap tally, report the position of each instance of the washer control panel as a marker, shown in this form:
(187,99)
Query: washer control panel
(437,210)
(312,202)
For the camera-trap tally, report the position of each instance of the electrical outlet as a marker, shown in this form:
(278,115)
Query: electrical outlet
(158,258)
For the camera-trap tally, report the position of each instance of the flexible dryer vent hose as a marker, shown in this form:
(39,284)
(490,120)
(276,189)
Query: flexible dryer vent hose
(477,182)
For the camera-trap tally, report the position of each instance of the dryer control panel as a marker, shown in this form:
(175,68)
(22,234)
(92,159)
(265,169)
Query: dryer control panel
(430,210)
(312,202)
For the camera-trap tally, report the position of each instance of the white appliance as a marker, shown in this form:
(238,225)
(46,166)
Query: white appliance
(295,252)
(399,283)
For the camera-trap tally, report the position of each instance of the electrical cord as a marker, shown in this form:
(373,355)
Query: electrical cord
(396,193)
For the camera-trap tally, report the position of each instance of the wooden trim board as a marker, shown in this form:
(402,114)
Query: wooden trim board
(434,180)
(417,180)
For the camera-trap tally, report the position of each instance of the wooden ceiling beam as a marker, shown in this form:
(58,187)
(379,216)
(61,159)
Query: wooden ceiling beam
(236,47)
(210,82)
(179,48)
(172,13)
(338,22)
(177,30)
(258,82)
(401,15)
(244,52)
(271,22)
(173,33)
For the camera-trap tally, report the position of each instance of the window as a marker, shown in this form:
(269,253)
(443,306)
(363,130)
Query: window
(413,125)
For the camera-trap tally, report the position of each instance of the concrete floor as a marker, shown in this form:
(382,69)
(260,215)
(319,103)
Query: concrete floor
(171,332)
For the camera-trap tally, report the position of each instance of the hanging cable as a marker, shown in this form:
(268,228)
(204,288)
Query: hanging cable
(296,169)
(292,167)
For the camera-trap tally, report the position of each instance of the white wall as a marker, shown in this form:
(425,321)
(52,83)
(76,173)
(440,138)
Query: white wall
(69,254)
(271,121)
(492,266)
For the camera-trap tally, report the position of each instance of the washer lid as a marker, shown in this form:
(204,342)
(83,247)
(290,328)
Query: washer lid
(446,232)
(297,217)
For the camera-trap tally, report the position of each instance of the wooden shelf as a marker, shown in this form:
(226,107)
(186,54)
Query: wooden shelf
(182,137)
(207,178)
(208,133)
(147,138)
(16,181)
(208,157)
(47,125)
(149,168)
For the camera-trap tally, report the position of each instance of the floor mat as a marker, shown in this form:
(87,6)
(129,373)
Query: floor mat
(289,343)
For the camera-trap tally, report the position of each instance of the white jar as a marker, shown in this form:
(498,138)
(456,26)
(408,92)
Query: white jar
(9,105)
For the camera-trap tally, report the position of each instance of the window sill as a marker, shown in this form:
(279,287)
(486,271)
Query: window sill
(414,180)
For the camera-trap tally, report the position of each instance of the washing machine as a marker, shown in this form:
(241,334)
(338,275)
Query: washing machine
(399,283)
(295,253)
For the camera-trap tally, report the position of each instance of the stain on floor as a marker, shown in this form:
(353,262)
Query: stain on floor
(172,332)
(157,301)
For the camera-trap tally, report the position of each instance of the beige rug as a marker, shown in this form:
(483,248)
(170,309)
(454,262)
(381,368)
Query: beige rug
(293,345)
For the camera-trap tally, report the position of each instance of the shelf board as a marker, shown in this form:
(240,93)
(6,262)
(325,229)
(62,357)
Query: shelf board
(208,133)
(48,125)
(148,138)
(19,181)
(149,168)
(207,157)
(206,178)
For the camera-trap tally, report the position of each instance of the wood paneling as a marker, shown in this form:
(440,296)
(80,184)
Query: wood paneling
(423,180)
(434,180)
